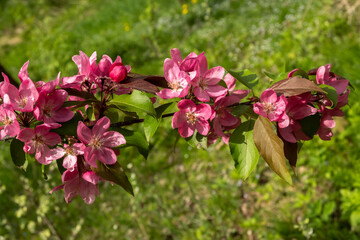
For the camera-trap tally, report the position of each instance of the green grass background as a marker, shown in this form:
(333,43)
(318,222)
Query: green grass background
(180,192)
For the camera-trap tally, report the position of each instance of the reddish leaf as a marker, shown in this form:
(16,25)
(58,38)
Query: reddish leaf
(141,85)
(270,147)
(295,86)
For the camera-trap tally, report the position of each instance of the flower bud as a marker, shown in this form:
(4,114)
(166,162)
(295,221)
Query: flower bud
(117,72)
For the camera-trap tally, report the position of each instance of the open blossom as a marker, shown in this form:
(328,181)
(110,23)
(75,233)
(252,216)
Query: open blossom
(206,81)
(38,141)
(99,142)
(22,99)
(271,106)
(188,64)
(222,118)
(71,152)
(178,81)
(324,76)
(75,183)
(49,107)
(297,108)
(87,69)
(9,126)
(192,117)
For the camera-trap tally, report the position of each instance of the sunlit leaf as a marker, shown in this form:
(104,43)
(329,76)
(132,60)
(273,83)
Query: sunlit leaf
(246,77)
(136,101)
(270,147)
(243,149)
(197,141)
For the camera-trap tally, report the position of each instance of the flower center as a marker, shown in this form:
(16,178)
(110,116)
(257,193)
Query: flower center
(269,107)
(7,121)
(191,118)
(39,140)
(202,84)
(174,85)
(96,142)
(22,102)
(69,151)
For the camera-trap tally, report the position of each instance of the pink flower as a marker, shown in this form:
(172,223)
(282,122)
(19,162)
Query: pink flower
(9,126)
(190,63)
(222,118)
(22,99)
(324,76)
(71,152)
(75,183)
(206,81)
(271,106)
(48,107)
(99,142)
(177,80)
(327,122)
(87,71)
(297,108)
(191,117)
(38,141)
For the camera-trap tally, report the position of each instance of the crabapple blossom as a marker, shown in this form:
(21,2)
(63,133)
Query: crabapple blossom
(99,142)
(9,126)
(71,152)
(192,117)
(38,141)
(271,106)
(177,80)
(76,183)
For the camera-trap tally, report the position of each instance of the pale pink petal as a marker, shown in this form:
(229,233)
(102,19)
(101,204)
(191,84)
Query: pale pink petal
(84,133)
(26,134)
(171,70)
(113,139)
(268,96)
(51,139)
(79,148)
(167,93)
(88,191)
(91,156)
(214,75)
(106,155)
(23,73)
(201,94)
(57,188)
(101,126)
(69,162)
(202,126)
(176,56)
(187,105)
(203,66)
(230,82)
(203,110)
(216,91)
(90,177)
(186,130)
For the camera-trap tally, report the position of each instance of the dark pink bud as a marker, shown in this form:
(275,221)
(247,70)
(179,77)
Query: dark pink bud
(117,72)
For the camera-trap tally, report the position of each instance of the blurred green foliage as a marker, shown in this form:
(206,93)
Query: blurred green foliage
(180,192)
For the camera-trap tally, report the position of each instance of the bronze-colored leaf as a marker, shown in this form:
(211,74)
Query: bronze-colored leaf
(155,80)
(295,86)
(271,147)
(141,85)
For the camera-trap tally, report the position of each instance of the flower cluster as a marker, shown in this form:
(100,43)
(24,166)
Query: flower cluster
(68,119)
(206,102)
(33,111)
(290,111)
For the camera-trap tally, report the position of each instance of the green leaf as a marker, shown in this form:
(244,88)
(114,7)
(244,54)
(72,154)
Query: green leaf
(69,127)
(271,147)
(197,141)
(243,149)
(310,125)
(151,123)
(246,77)
(90,113)
(270,75)
(330,93)
(115,174)
(17,153)
(135,139)
(134,102)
